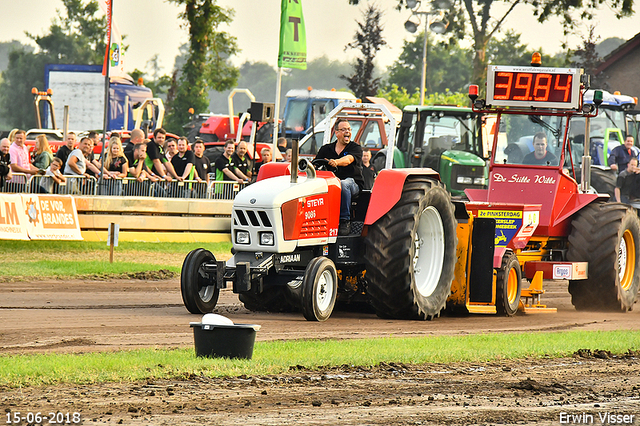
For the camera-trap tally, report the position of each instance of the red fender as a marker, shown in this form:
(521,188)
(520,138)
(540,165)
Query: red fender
(387,190)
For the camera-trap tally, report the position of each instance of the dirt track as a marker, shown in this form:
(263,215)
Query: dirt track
(80,316)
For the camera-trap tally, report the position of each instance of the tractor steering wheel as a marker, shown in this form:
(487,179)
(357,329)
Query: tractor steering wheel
(322,164)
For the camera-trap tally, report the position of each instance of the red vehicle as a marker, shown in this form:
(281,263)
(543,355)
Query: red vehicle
(414,250)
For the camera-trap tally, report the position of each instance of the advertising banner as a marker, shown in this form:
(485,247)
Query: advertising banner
(38,217)
(12,218)
(293,39)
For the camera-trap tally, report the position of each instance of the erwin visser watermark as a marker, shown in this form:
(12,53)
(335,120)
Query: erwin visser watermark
(603,418)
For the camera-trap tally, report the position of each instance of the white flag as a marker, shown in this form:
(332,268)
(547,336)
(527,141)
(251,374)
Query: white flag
(114,55)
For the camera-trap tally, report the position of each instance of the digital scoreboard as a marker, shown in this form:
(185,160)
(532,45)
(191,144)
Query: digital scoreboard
(533,87)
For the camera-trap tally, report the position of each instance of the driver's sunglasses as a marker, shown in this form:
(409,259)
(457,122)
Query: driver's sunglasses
(348,129)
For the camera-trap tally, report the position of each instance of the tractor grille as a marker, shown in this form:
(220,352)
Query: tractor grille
(465,171)
(253,218)
(314,229)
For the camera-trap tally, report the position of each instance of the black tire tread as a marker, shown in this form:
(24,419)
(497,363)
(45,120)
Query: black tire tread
(388,254)
(501,283)
(595,238)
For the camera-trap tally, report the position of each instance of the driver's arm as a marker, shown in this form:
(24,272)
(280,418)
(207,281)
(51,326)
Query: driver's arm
(343,161)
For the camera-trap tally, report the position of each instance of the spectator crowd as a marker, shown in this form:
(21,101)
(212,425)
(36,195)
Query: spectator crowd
(156,160)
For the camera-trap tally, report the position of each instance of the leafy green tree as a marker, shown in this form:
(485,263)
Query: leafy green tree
(368,39)
(447,66)
(509,50)
(207,66)
(476,17)
(8,47)
(75,36)
(401,98)
(448,63)
(587,58)
(260,79)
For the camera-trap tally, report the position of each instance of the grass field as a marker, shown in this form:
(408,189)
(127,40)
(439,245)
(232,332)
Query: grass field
(61,259)
(277,357)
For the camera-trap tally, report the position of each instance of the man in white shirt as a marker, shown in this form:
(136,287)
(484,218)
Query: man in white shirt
(77,162)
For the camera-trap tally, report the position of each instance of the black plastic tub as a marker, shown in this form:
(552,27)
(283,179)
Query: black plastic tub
(224,341)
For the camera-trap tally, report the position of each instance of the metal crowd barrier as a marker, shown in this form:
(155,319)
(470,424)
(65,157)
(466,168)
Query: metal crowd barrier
(126,187)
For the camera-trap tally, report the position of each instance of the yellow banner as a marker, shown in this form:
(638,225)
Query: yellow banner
(504,214)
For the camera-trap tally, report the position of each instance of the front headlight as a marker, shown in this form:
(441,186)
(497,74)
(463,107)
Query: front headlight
(242,237)
(266,238)
(478,181)
(465,180)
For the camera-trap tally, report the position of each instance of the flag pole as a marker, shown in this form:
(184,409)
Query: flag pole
(106,89)
(276,115)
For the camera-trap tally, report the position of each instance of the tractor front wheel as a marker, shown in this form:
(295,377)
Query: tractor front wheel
(199,290)
(608,237)
(410,253)
(319,289)
(508,285)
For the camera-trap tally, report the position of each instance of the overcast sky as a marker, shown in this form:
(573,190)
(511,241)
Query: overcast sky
(153,27)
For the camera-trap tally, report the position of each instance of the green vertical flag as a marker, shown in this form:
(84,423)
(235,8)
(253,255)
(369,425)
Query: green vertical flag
(293,40)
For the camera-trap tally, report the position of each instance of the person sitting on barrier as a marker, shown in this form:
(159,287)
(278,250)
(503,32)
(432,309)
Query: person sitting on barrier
(241,161)
(43,155)
(224,165)
(5,161)
(627,187)
(183,161)
(64,151)
(265,154)
(52,175)
(156,161)
(540,156)
(201,163)
(77,162)
(621,154)
(345,157)
(20,155)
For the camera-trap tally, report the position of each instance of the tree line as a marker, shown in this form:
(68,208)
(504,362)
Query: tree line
(203,75)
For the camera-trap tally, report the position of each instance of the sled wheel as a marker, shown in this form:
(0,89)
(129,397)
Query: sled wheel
(508,285)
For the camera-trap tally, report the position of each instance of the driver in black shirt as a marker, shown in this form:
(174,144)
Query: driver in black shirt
(346,158)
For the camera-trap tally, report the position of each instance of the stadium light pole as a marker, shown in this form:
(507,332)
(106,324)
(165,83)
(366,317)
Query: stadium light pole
(437,27)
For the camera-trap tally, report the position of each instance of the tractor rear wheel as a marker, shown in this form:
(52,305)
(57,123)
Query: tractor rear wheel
(508,285)
(410,253)
(319,289)
(608,237)
(199,290)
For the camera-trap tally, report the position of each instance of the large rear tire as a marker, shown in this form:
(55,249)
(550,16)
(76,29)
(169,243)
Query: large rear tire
(508,285)
(199,290)
(410,253)
(319,289)
(608,237)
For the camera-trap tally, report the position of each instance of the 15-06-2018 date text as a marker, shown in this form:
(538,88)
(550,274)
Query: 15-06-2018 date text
(52,418)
